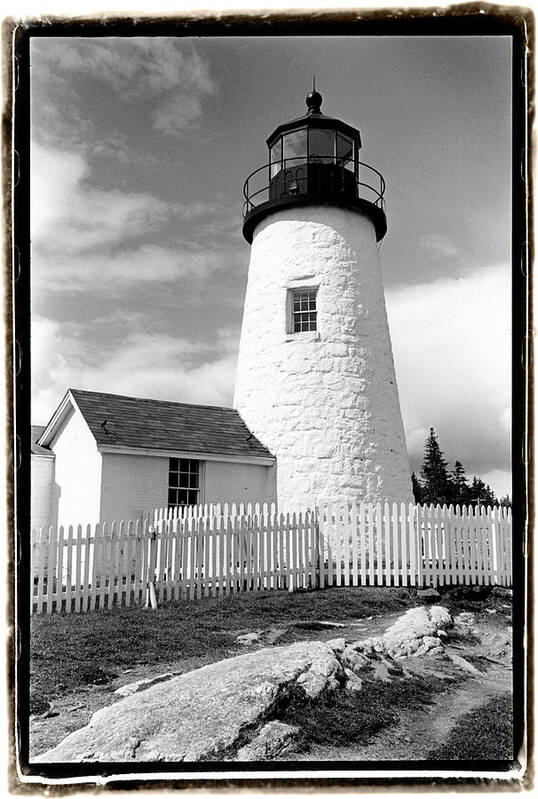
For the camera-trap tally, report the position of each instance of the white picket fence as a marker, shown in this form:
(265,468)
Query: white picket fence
(218,550)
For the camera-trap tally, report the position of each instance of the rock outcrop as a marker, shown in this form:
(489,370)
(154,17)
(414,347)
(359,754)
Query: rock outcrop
(229,710)
(204,714)
(273,740)
(418,631)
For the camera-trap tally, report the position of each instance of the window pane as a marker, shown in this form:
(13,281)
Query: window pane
(304,316)
(344,151)
(183,482)
(295,146)
(321,145)
(276,158)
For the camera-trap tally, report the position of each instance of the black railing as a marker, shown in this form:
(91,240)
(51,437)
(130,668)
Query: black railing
(328,176)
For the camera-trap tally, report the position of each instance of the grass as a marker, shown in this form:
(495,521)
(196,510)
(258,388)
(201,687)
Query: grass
(70,651)
(483,734)
(342,718)
(475,599)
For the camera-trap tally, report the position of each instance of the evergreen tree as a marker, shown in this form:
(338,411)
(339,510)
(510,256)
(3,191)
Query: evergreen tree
(436,483)
(480,493)
(460,486)
(417,488)
(489,497)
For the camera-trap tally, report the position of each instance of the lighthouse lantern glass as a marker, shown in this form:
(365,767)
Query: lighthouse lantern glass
(321,145)
(294,146)
(344,152)
(276,157)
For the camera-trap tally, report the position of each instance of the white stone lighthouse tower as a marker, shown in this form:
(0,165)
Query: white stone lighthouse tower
(315,376)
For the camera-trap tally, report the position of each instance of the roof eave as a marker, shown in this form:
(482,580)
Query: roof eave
(256,459)
(314,121)
(58,417)
(48,455)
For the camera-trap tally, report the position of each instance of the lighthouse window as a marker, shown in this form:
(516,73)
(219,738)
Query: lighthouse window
(303,310)
(294,147)
(183,482)
(321,145)
(344,151)
(276,158)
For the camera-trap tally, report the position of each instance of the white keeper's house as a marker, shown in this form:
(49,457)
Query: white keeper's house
(104,457)
(315,389)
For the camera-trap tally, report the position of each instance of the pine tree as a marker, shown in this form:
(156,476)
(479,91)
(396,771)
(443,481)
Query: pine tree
(436,483)
(480,493)
(460,486)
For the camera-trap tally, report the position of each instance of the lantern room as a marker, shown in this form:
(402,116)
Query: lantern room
(314,159)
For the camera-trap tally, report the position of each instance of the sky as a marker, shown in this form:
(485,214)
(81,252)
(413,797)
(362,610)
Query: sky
(140,147)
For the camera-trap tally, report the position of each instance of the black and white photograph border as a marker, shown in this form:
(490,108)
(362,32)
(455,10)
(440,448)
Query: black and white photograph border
(271,328)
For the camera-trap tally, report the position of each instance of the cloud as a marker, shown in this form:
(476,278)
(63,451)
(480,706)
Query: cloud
(451,343)
(143,364)
(166,73)
(437,247)
(90,239)
(177,113)
(500,481)
(138,66)
(76,226)
(102,272)
(68,215)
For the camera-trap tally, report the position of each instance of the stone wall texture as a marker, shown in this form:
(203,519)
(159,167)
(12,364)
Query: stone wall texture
(325,402)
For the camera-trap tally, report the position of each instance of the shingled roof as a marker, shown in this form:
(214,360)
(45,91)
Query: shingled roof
(155,424)
(37,432)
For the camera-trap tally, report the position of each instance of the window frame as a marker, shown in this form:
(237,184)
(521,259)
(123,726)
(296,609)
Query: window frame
(190,473)
(276,151)
(292,292)
(350,163)
(286,139)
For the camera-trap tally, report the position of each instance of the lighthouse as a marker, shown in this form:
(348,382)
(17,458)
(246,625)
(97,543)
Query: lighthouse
(315,376)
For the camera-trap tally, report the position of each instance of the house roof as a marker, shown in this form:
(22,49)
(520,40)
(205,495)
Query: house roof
(37,432)
(131,422)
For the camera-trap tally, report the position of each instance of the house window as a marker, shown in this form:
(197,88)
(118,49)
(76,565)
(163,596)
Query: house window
(303,310)
(183,482)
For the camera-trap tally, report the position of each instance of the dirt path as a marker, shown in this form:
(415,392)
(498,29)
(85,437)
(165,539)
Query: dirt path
(426,727)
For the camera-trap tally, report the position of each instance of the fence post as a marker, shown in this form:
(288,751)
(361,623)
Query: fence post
(316,559)
(151,598)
